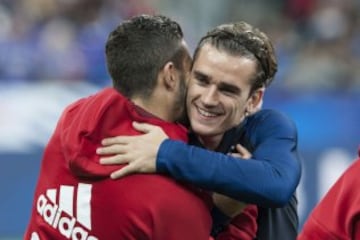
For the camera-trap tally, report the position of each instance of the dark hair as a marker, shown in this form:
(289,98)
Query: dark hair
(242,39)
(138,49)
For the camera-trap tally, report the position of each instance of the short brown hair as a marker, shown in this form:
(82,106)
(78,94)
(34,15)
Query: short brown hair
(242,39)
(138,48)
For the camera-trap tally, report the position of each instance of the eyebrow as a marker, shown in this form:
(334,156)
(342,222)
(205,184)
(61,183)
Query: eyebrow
(222,85)
(229,87)
(199,74)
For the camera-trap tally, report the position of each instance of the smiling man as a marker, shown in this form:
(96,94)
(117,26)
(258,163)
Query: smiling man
(232,66)
(215,80)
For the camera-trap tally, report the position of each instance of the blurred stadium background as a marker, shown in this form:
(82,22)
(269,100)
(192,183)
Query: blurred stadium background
(52,53)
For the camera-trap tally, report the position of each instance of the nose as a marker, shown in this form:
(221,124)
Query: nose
(210,96)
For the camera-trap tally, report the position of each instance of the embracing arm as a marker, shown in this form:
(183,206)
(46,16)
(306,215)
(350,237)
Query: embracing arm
(268,179)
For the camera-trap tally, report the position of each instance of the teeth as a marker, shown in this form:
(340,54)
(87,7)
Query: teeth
(206,114)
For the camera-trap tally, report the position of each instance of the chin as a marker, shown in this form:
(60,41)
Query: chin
(202,130)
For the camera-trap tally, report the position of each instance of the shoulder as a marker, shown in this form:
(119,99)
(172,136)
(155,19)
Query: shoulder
(269,122)
(270,117)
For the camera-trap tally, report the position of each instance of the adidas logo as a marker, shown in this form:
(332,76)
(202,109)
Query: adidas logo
(57,210)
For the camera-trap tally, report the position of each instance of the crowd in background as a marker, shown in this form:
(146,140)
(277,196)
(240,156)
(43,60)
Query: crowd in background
(62,41)
(317,41)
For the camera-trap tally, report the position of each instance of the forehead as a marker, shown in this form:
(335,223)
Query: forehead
(221,66)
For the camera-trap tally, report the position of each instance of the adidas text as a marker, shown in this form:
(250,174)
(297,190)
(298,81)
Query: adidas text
(59,220)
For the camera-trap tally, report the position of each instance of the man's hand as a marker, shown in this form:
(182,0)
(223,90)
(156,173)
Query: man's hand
(139,152)
(240,152)
(227,205)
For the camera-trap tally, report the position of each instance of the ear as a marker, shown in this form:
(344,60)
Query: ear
(255,101)
(169,76)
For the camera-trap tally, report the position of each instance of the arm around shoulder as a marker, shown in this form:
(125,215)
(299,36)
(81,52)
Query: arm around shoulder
(268,179)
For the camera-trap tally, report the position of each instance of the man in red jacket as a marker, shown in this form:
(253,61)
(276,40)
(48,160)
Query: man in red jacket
(337,216)
(75,198)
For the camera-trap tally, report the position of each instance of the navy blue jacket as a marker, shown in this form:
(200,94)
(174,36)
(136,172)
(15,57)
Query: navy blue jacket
(269,179)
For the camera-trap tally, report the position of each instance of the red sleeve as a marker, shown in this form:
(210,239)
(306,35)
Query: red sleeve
(242,227)
(314,230)
(337,215)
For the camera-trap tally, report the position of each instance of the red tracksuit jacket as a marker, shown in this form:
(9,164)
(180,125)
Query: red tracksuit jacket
(337,216)
(75,198)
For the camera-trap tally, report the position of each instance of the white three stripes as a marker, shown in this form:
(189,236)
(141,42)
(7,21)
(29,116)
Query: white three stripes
(66,199)
(83,204)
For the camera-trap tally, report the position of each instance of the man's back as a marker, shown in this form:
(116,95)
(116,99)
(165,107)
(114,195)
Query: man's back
(75,198)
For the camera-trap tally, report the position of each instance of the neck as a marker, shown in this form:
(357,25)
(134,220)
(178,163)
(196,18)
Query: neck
(154,107)
(210,142)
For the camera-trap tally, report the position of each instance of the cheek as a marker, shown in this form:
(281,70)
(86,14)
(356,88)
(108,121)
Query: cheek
(188,97)
(188,100)
(191,93)
(237,111)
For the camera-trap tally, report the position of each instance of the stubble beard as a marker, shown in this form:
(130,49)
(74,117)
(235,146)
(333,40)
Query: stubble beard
(180,102)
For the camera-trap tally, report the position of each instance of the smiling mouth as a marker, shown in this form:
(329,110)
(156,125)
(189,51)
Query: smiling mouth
(205,113)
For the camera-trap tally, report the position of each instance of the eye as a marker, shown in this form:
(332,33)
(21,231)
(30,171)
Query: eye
(228,93)
(201,79)
(229,90)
